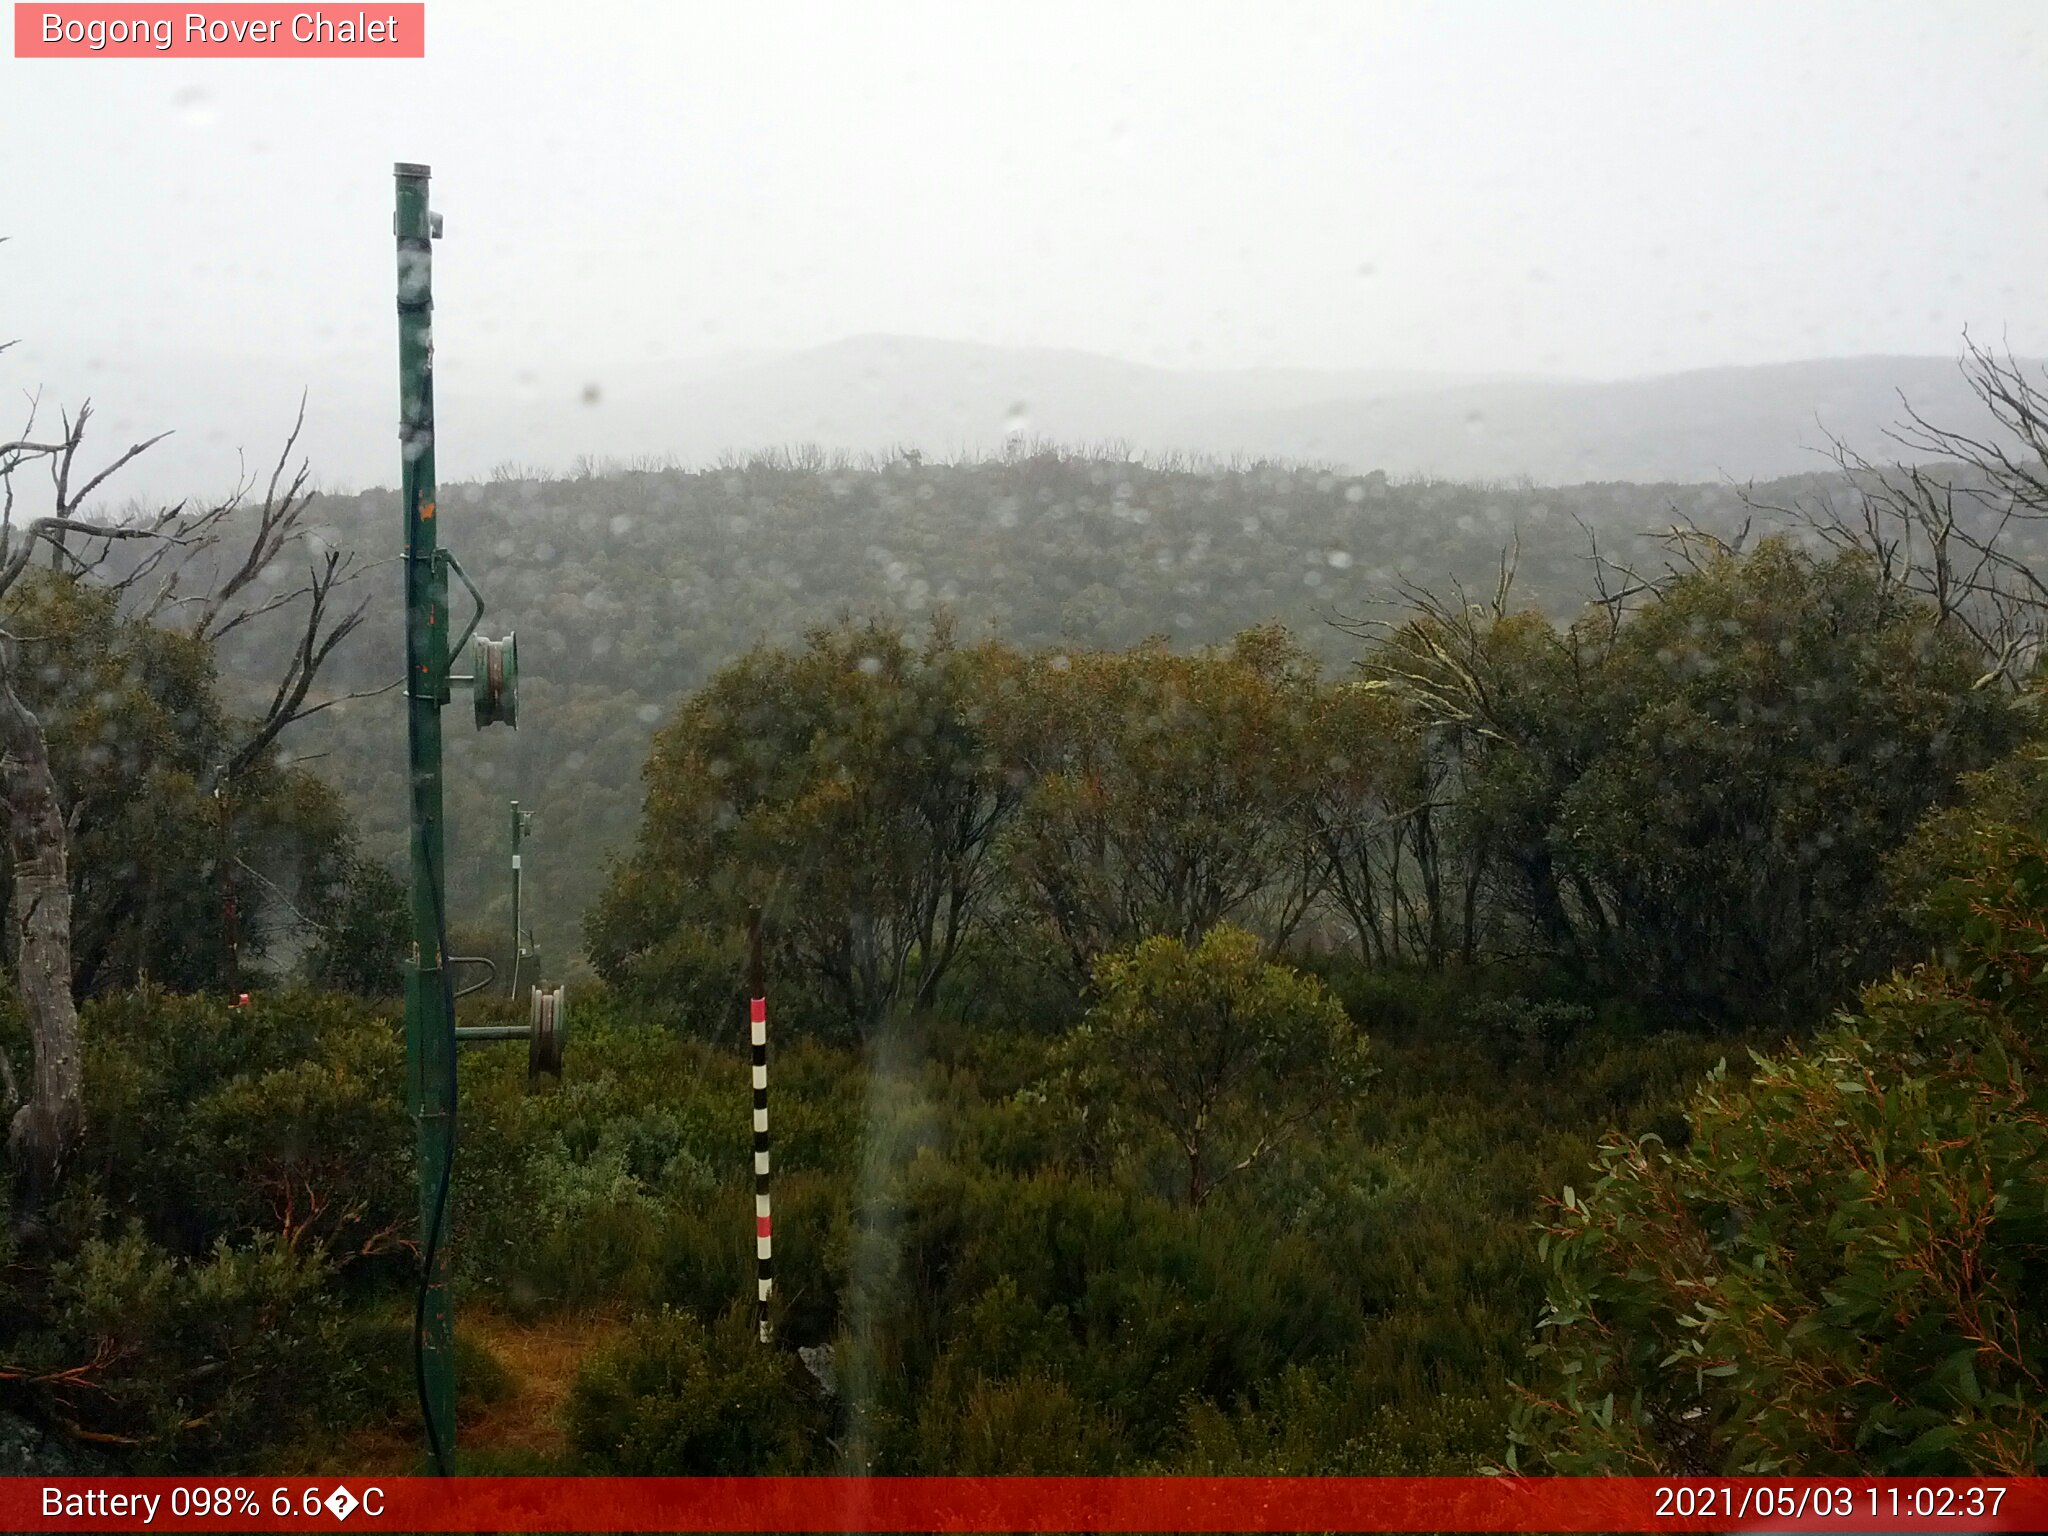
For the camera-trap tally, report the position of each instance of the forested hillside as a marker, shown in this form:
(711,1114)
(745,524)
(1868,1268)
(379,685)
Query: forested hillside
(899,746)
(630,588)
(1270,970)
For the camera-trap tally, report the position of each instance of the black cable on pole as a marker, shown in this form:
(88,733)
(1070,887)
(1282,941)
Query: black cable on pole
(431,1244)
(433,1236)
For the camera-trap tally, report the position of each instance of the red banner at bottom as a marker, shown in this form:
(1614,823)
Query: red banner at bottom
(603,1504)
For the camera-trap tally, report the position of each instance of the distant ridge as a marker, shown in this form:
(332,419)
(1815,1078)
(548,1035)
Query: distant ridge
(878,393)
(1707,424)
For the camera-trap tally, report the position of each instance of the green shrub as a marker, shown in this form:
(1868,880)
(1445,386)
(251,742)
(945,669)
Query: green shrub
(673,1397)
(1306,1424)
(185,1310)
(210,1123)
(184,1363)
(319,1151)
(1214,1049)
(1840,1272)
(1014,977)
(384,1390)
(363,947)
(1536,1030)
(1032,1426)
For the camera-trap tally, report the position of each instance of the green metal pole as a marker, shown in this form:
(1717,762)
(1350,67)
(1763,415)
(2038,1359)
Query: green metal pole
(429,1035)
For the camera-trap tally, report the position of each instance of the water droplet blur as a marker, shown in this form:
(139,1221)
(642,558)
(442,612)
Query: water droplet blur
(195,107)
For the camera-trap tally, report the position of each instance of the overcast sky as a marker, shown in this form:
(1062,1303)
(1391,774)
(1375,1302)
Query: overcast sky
(1578,189)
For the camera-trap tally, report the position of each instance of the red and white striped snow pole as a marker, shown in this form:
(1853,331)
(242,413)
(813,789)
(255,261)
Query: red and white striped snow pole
(764,1230)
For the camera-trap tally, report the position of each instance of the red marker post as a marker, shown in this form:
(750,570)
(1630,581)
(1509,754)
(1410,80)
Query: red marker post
(757,1023)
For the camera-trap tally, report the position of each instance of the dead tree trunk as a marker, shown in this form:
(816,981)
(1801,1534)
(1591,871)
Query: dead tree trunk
(46,1126)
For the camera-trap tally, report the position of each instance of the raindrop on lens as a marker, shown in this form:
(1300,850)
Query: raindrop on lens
(195,106)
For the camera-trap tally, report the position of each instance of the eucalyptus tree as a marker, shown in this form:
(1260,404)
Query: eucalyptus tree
(191,576)
(1212,1046)
(1169,792)
(1688,793)
(852,788)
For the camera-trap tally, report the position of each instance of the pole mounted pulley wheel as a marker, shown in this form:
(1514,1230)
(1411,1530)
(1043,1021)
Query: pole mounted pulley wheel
(494,682)
(547,1030)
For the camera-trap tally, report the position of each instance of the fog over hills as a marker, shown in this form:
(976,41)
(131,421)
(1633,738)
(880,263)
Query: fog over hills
(878,394)
(946,397)
(873,393)
(1741,423)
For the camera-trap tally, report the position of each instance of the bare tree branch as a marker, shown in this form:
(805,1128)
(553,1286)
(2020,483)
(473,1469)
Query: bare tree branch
(1956,534)
(147,588)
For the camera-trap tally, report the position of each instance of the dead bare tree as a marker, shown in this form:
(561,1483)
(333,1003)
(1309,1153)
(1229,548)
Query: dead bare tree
(202,571)
(1961,526)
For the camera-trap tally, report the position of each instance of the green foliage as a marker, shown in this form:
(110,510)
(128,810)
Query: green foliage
(134,730)
(1013,978)
(993,1305)
(632,589)
(1372,812)
(378,1343)
(1030,1426)
(366,931)
(138,732)
(1838,1273)
(675,1398)
(895,810)
(195,1362)
(1225,1053)
(188,1305)
(1308,1425)
(282,1119)
(963,1283)
(1955,843)
(1538,1029)
(1691,803)
(1167,792)
(1787,722)
(1043,1103)
(990,1303)
(1686,808)
(850,790)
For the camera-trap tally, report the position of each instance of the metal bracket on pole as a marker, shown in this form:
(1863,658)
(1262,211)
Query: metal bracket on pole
(490,975)
(448,559)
